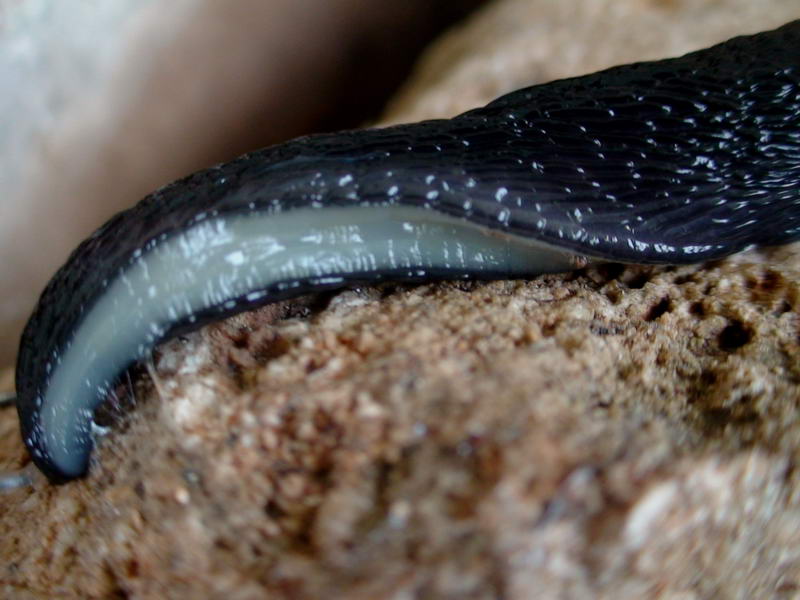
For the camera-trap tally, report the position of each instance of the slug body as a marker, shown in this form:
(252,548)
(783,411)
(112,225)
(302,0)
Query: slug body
(675,161)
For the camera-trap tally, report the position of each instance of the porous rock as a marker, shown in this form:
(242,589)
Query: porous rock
(616,432)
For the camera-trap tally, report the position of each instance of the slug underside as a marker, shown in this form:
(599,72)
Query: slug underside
(675,161)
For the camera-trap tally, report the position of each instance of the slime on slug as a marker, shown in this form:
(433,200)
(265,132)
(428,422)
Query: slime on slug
(672,162)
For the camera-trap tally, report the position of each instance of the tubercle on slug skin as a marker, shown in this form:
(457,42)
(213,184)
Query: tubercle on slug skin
(673,161)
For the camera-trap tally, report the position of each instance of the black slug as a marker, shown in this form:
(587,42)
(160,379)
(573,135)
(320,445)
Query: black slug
(674,161)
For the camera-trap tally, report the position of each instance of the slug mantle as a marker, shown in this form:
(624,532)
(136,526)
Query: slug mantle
(674,161)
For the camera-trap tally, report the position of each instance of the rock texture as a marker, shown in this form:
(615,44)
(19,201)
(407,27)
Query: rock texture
(617,432)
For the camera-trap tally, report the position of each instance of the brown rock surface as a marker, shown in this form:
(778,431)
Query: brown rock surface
(617,432)
(514,43)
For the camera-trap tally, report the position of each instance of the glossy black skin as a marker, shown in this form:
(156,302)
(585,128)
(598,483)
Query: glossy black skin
(701,152)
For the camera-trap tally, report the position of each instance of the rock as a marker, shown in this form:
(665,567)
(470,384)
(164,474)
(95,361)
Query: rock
(617,432)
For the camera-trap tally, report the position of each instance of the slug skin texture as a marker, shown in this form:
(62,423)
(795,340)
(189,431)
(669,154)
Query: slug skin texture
(674,161)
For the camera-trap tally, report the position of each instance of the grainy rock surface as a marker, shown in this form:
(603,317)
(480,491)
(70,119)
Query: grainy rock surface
(617,432)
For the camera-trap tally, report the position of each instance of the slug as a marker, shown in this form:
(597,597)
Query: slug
(674,161)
